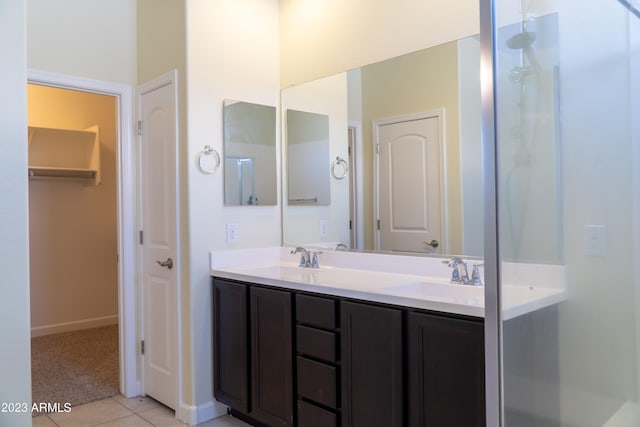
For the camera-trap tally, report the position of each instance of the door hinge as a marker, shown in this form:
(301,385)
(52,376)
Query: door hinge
(350,224)
(139,127)
(141,236)
(141,346)
(377,148)
(378,224)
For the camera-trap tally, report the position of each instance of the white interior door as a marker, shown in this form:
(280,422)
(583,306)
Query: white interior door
(409,183)
(158,142)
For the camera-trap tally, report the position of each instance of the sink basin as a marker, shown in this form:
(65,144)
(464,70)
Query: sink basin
(325,276)
(315,276)
(282,272)
(464,294)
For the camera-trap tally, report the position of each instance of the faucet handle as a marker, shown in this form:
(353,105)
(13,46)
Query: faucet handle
(314,260)
(304,262)
(475,274)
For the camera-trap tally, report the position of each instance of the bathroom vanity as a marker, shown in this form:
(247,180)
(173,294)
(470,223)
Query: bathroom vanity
(360,341)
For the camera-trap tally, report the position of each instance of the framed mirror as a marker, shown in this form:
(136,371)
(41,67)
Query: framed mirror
(250,171)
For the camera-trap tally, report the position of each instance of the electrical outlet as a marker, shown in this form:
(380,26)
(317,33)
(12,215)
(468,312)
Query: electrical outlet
(595,240)
(324,228)
(232,233)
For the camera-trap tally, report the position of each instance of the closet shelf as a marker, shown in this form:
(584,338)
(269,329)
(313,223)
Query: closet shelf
(36,171)
(68,153)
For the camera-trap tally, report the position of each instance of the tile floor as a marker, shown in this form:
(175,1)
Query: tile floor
(122,412)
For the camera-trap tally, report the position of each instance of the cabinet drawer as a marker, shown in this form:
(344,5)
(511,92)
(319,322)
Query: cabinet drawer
(315,311)
(317,382)
(312,416)
(316,343)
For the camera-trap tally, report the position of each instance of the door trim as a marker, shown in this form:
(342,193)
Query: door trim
(356,184)
(170,78)
(438,113)
(126,195)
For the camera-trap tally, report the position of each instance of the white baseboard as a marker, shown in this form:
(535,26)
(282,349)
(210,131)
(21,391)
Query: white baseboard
(194,415)
(75,325)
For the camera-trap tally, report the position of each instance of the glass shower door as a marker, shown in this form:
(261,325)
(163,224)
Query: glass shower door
(567,128)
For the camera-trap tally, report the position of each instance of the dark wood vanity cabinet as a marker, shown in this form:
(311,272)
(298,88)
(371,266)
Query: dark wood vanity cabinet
(289,358)
(445,372)
(252,347)
(372,355)
(231,344)
(317,361)
(271,361)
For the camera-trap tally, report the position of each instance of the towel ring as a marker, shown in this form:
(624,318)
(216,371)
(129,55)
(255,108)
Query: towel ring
(339,168)
(208,160)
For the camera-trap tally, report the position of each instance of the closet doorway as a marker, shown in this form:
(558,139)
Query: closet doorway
(81,204)
(73,244)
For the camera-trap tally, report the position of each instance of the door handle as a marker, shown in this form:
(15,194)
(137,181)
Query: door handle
(168,263)
(434,243)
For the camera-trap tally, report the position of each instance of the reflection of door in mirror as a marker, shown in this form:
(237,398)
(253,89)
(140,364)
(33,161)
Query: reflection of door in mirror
(239,182)
(249,154)
(409,183)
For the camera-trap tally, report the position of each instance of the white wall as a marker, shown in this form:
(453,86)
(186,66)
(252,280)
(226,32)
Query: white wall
(88,38)
(319,38)
(15,360)
(232,53)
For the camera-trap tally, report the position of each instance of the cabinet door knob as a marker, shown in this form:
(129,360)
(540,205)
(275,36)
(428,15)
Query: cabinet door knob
(168,263)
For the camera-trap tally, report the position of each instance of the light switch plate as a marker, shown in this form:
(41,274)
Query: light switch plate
(595,240)
(232,233)
(324,228)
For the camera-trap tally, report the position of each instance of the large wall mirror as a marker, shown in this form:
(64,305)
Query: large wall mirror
(250,170)
(371,110)
(410,128)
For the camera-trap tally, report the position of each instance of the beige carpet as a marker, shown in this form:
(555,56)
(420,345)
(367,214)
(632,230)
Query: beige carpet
(75,367)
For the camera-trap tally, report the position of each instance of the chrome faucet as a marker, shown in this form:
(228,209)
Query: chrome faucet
(305,260)
(459,274)
(341,247)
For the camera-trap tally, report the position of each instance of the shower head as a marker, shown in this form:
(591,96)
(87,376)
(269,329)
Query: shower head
(521,40)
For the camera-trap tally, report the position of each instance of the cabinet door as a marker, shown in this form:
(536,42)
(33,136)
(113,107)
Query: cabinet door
(230,344)
(446,372)
(371,345)
(271,357)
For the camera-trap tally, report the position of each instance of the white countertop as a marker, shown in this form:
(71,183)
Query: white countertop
(410,281)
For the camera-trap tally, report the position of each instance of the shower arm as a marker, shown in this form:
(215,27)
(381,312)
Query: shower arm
(633,6)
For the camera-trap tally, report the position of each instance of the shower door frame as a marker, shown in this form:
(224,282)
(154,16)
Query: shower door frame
(492,314)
